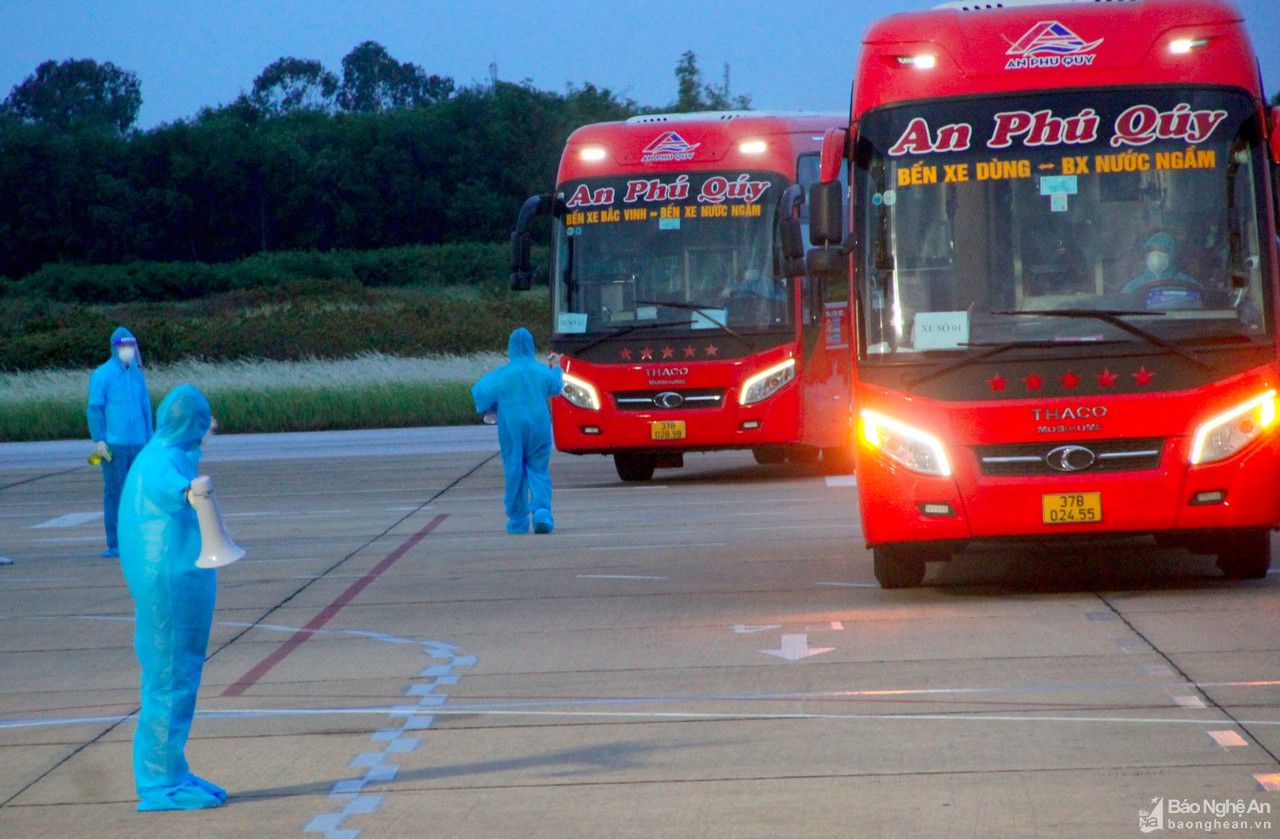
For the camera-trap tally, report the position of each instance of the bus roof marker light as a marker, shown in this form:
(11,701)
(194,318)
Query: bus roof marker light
(752,146)
(923,61)
(593,154)
(1182,46)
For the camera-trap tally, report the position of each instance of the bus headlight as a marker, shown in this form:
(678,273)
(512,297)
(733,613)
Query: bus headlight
(581,393)
(1230,431)
(767,382)
(907,445)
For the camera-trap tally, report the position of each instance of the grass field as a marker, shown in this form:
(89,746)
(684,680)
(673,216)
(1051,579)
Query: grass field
(370,391)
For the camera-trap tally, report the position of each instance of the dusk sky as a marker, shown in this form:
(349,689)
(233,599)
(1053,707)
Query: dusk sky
(187,55)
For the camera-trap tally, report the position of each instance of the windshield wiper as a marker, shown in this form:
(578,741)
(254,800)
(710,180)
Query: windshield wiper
(702,310)
(1115,317)
(995,349)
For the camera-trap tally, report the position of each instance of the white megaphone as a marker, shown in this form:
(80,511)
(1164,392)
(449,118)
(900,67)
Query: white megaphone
(217,548)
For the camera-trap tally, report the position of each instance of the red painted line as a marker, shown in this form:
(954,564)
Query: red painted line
(326,614)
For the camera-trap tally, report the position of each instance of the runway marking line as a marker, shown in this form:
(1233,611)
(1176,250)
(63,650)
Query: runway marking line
(68,520)
(326,614)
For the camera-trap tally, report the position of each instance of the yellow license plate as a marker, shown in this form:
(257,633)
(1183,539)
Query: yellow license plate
(1072,507)
(666,430)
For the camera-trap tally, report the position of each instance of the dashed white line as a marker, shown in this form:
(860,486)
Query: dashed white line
(68,520)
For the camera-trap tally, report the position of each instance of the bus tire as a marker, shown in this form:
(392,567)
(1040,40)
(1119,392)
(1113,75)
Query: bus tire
(634,467)
(898,567)
(1246,555)
(768,455)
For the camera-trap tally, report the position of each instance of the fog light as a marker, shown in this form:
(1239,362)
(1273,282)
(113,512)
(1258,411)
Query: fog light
(749,425)
(1216,496)
(590,429)
(936,509)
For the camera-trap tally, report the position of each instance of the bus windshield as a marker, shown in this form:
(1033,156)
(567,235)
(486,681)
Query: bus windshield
(1134,207)
(680,251)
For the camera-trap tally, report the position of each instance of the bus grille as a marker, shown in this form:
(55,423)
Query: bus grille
(1026,459)
(668,400)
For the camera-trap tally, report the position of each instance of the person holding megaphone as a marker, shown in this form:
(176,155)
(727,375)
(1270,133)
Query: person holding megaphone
(160,543)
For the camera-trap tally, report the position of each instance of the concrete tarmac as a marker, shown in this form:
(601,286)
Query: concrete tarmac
(706,654)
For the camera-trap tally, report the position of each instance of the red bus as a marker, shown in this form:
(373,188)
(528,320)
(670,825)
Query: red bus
(1064,259)
(678,303)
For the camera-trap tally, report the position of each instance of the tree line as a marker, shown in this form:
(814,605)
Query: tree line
(383,154)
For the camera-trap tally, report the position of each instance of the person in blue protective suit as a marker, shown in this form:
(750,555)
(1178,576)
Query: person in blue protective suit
(518,392)
(119,414)
(1161,268)
(159,544)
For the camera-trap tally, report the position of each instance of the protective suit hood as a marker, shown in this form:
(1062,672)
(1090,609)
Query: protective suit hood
(520,344)
(1164,242)
(184,417)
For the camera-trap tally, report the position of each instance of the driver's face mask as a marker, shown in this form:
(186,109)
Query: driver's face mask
(1158,262)
(128,353)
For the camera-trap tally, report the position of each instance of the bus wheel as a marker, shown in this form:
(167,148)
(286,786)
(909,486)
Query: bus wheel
(1246,555)
(634,467)
(898,567)
(767,455)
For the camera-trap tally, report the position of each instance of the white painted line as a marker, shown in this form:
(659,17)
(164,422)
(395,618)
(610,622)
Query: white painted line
(62,540)
(1157,670)
(747,628)
(1269,781)
(618,577)
(69,520)
(837,624)
(1188,701)
(1227,738)
(795,648)
(842,481)
(833,584)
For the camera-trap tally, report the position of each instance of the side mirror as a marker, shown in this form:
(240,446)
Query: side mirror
(521,262)
(826,214)
(1275,135)
(827,264)
(835,149)
(789,229)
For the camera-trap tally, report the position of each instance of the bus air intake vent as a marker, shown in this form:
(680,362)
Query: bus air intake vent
(1066,458)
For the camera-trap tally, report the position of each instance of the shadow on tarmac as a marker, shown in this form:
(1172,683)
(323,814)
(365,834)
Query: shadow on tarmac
(589,760)
(1131,567)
